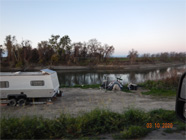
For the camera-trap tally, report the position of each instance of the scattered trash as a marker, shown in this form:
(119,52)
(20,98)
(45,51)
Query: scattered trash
(132,86)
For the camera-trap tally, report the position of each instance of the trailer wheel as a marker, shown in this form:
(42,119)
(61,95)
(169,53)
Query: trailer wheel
(12,102)
(21,102)
(59,94)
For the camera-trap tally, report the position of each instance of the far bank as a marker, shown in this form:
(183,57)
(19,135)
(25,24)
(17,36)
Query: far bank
(134,67)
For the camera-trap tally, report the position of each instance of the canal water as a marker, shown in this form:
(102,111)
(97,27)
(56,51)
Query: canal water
(87,77)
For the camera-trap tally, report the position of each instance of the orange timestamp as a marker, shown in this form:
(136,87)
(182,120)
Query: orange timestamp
(159,125)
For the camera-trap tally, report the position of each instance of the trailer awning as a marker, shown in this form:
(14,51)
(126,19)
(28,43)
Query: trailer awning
(47,71)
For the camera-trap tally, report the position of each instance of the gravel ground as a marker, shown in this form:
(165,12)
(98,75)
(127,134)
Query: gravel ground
(77,100)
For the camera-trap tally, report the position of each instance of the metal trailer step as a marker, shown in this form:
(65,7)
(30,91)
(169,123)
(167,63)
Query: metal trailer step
(4,101)
(37,103)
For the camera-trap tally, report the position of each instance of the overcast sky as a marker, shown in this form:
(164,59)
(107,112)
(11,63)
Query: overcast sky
(148,26)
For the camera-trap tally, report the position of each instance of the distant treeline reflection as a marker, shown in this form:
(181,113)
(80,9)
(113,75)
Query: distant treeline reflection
(96,77)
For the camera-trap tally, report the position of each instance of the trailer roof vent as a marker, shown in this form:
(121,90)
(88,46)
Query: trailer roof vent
(48,71)
(18,72)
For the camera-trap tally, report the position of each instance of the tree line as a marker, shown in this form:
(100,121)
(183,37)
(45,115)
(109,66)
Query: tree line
(134,57)
(164,57)
(61,51)
(56,50)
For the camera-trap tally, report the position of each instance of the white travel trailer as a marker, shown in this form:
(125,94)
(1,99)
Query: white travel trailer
(18,87)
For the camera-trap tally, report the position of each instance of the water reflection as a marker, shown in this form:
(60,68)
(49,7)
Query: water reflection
(70,78)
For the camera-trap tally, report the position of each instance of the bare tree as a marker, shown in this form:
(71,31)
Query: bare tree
(45,52)
(164,57)
(62,46)
(56,50)
(54,42)
(77,47)
(93,45)
(108,51)
(1,52)
(84,51)
(101,53)
(34,56)
(10,43)
(146,57)
(132,56)
(27,48)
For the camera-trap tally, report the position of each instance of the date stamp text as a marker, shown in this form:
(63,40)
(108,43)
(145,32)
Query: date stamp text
(159,125)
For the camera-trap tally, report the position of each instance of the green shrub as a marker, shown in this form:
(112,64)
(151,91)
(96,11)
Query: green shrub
(164,87)
(100,121)
(180,126)
(169,83)
(24,128)
(160,92)
(19,64)
(135,117)
(162,116)
(134,132)
(58,127)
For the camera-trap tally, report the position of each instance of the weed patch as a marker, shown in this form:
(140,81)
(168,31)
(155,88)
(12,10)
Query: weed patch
(169,130)
(163,87)
(135,117)
(131,123)
(133,132)
(160,92)
(162,116)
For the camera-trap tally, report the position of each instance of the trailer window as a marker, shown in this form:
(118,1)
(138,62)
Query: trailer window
(37,83)
(4,84)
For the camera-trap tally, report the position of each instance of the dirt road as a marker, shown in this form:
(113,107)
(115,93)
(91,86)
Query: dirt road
(76,100)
